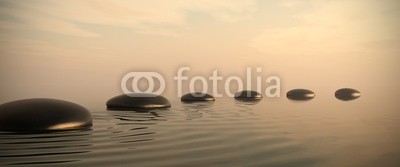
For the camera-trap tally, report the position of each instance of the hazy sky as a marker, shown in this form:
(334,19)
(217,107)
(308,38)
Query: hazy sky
(76,49)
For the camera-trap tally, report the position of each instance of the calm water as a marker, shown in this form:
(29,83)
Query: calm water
(272,132)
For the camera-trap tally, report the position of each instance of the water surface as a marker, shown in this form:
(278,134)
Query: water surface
(272,132)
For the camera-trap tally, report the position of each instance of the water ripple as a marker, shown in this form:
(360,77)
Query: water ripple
(222,133)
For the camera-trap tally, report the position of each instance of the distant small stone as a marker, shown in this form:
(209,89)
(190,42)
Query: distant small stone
(248,95)
(41,114)
(197,97)
(346,94)
(300,94)
(137,101)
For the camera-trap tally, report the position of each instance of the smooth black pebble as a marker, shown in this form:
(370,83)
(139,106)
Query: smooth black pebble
(346,94)
(197,97)
(300,94)
(42,114)
(248,95)
(138,102)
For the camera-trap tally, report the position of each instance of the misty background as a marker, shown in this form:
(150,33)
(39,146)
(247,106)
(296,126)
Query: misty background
(80,50)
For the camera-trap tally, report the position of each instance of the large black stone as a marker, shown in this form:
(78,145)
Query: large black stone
(300,94)
(248,95)
(197,97)
(41,114)
(137,101)
(346,94)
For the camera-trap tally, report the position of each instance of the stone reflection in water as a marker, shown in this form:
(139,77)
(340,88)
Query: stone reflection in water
(244,102)
(45,148)
(246,106)
(134,127)
(196,110)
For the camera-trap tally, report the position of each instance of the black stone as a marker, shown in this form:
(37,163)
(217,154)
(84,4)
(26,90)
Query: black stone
(41,114)
(300,94)
(248,95)
(197,97)
(346,94)
(138,101)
